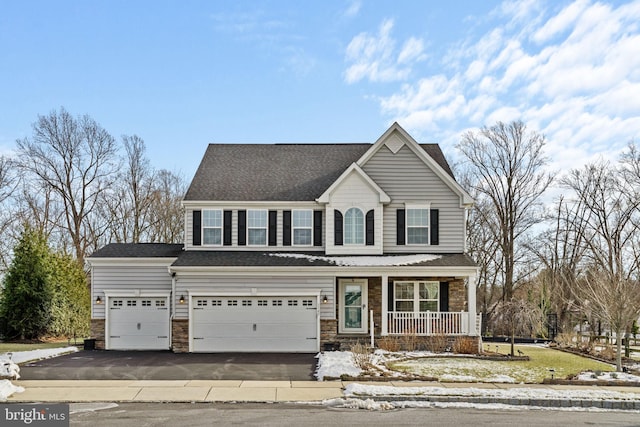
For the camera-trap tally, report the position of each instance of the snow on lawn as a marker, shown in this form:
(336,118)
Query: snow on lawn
(336,363)
(453,368)
(30,355)
(608,376)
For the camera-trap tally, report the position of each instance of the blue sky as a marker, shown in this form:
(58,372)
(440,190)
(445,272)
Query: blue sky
(184,74)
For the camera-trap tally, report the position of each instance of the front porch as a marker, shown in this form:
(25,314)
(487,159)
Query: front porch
(425,307)
(431,323)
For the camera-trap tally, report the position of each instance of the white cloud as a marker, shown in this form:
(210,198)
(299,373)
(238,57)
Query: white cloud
(374,57)
(561,22)
(353,9)
(572,73)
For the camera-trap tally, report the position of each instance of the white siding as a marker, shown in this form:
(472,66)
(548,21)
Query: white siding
(354,191)
(127,278)
(405,178)
(245,284)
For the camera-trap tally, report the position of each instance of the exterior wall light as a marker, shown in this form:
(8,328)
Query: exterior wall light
(98,300)
(325,299)
(181,300)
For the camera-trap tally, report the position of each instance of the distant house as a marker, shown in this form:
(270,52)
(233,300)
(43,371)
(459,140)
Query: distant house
(293,246)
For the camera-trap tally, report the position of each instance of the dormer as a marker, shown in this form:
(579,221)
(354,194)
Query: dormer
(354,214)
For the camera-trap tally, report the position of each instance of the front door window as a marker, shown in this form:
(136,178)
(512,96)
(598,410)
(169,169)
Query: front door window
(353,303)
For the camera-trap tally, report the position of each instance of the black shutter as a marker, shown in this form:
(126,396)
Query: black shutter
(444,296)
(197,228)
(390,303)
(226,230)
(286,228)
(317,228)
(273,228)
(369,228)
(434,222)
(337,227)
(242,228)
(400,231)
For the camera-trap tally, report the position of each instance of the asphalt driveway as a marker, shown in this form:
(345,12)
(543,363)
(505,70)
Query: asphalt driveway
(165,365)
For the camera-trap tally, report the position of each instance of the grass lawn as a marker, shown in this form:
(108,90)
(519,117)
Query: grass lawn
(533,371)
(6,347)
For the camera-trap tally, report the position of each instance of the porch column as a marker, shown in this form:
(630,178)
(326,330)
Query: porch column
(471,305)
(384,330)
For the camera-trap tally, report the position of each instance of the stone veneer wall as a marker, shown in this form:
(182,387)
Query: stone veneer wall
(457,295)
(97,332)
(180,335)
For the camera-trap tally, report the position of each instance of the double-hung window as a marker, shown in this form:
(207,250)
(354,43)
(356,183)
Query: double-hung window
(416,296)
(212,227)
(257,227)
(417,225)
(302,227)
(354,227)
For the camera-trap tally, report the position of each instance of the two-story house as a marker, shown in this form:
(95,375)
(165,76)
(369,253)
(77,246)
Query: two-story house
(289,247)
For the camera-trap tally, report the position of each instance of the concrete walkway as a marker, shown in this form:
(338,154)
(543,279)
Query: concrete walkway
(280,391)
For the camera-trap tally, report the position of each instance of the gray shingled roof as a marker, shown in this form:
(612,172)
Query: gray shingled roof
(138,250)
(268,259)
(277,172)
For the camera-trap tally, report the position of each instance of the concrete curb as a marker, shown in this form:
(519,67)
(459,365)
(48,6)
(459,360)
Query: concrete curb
(623,405)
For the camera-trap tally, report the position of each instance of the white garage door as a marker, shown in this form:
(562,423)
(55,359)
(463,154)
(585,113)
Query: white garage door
(138,323)
(260,324)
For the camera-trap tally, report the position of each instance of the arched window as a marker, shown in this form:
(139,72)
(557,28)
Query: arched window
(354,227)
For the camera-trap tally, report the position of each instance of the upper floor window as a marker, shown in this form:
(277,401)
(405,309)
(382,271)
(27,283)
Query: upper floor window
(257,227)
(212,227)
(302,227)
(354,227)
(417,225)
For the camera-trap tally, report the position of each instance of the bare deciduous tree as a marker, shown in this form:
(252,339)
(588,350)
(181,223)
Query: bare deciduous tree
(519,317)
(167,220)
(8,182)
(76,158)
(611,231)
(127,206)
(507,163)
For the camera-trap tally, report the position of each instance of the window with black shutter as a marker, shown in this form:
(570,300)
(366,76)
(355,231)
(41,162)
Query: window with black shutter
(370,228)
(337,227)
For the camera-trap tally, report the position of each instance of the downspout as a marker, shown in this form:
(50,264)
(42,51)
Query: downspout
(173,306)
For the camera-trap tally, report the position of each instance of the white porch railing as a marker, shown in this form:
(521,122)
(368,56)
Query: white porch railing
(431,323)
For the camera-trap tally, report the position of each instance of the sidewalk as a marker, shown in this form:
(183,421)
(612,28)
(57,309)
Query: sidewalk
(301,391)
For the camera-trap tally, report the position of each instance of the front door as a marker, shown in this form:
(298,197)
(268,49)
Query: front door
(353,305)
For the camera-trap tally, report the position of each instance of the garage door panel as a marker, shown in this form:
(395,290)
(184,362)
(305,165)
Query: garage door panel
(254,324)
(141,328)
(138,323)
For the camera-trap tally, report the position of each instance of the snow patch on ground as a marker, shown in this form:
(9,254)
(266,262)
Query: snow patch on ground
(45,353)
(353,403)
(363,261)
(8,369)
(9,366)
(359,390)
(608,376)
(336,363)
(7,389)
